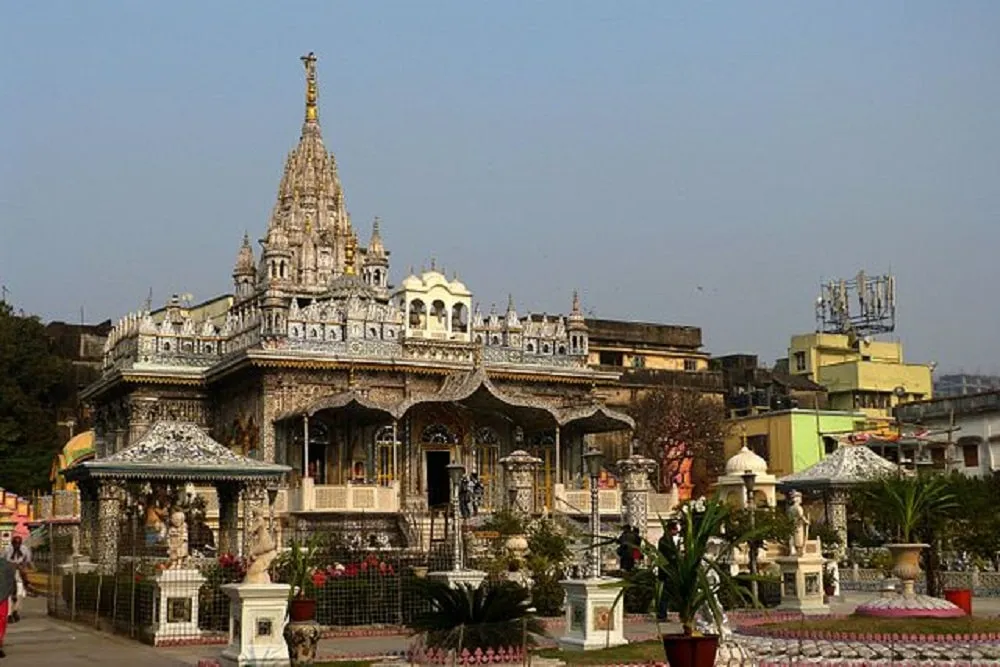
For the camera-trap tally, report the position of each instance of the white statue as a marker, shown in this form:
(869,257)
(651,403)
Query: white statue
(798,516)
(261,550)
(177,541)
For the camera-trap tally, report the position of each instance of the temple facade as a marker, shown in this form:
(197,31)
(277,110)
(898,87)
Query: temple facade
(367,389)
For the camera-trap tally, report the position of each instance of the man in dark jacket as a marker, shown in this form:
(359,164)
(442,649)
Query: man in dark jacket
(8,592)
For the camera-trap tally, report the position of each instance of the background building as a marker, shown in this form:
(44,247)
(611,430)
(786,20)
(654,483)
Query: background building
(960,433)
(961,384)
(83,346)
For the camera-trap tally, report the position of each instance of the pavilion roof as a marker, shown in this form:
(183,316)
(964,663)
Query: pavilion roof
(847,466)
(180,451)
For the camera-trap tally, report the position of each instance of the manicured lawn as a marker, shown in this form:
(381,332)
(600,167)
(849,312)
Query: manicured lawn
(630,653)
(919,626)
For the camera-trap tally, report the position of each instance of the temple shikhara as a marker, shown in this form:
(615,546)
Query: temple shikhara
(365,389)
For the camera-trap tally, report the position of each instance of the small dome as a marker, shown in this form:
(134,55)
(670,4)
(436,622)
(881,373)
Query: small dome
(458,288)
(412,282)
(745,460)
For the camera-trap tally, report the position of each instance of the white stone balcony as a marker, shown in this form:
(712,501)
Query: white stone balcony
(312,497)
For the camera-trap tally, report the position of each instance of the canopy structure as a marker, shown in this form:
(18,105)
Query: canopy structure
(848,466)
(173,451)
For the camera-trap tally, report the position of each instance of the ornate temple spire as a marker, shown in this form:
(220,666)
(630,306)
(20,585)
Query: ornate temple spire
(245,264)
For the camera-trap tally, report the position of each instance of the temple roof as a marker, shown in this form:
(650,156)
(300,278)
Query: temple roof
(475,390)
(173,450)
(849,465)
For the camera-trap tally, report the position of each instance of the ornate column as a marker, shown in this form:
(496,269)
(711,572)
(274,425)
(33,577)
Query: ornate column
(229,498)
(519,479)
(111,495)
(633,474)
(838,517)
(254,500)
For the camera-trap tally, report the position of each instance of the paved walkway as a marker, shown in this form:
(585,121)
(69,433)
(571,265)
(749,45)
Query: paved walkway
(41,640)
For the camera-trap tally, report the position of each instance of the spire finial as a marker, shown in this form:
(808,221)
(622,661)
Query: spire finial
(510,303)
(576,302)
(312,109)
(433,264)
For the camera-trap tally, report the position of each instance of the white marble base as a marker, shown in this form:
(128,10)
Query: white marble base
(257,618)
(802,583)
(175,616)
(456,578)
(593,620)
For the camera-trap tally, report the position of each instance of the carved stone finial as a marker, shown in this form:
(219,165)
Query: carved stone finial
(312,94)
(510,303)
(433,264)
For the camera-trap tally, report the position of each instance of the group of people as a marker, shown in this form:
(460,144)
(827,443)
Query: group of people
(14,565)
(630,552)
(470,495)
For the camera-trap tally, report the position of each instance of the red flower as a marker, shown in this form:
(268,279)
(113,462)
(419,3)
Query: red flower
(318,578)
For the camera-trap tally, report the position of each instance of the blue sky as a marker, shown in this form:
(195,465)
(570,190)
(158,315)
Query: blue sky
(637,151)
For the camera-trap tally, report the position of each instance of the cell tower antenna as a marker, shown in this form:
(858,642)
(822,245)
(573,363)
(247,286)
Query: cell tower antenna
(861,307)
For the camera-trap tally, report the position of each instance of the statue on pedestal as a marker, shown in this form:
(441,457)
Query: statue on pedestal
(177,541)
(797,514)
(261,550)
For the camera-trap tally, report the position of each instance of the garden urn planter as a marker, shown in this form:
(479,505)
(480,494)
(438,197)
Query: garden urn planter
(690,651)
(517,545)
(302,638)
(301,609)
(906,564)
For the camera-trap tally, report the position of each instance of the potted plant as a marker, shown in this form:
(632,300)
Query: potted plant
(691,578)
(907,502)
(298,567)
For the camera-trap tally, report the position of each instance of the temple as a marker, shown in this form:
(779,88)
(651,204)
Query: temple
(365,389)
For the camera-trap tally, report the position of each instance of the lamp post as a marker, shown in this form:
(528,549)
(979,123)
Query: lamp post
(749,478)
(594,459)
(456,471)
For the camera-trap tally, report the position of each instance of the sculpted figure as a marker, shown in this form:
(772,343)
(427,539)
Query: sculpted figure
(177,541)
(798,516)
(261,551)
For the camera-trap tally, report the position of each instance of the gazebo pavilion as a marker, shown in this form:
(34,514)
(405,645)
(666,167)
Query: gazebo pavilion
(171,454)
(833,477)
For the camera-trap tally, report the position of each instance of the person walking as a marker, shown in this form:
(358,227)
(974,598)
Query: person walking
(19,556)
(672,538)
(8,592)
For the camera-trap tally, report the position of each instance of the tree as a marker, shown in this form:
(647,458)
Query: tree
(675,425)
(33,379)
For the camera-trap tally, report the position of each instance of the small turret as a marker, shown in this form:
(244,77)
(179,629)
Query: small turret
(244,271)
(375,269)
(576,327)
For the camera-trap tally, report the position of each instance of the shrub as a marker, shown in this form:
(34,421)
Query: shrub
(491,616)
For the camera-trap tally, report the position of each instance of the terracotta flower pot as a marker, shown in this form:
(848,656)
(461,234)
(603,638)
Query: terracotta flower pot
(301,609)
(906,564)
(688,651)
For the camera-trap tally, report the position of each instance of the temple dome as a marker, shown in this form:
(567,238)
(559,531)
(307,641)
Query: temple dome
(744,461)
(79,448)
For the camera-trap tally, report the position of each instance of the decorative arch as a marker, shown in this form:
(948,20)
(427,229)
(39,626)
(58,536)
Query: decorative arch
(418,314)
(438,434)
(439,311)
(459,318)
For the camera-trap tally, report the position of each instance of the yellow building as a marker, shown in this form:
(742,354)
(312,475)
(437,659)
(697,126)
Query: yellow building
(859,373)
(791,440)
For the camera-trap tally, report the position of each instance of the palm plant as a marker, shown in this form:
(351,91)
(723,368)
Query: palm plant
(491,616)
(908,502)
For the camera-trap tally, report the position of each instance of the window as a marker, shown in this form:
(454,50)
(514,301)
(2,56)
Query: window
(418,313)
(800,361)
(829,444)
(638,361)
(759,445)
(611,359)
(970,455)
(690,364)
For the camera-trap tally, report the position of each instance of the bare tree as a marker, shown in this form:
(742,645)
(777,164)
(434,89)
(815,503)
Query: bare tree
(673,425)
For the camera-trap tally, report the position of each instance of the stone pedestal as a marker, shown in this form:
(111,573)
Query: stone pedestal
(302,638)
(456,578)
(593,620)
(175,612)
(257,614)
(802,581)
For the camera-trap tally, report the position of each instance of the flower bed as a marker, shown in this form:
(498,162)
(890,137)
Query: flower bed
(833,628)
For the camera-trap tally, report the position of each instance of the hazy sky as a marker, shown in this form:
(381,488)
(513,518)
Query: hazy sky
(637,151)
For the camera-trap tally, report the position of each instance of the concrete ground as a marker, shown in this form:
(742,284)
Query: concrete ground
(39,641)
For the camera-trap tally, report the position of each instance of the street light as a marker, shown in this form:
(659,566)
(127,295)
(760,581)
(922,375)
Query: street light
(456,471)
(594,460)
(749,479)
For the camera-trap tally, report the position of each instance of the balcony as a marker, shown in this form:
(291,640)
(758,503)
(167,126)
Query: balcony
(344,498)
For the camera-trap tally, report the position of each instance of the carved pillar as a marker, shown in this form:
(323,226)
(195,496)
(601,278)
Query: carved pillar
(111,495)
(88,519)
(254,500)
(838,518)
(634,473)
(229,499)
(519,480)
